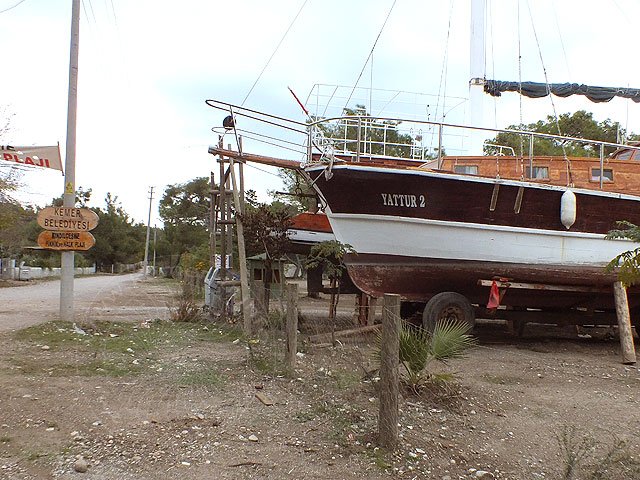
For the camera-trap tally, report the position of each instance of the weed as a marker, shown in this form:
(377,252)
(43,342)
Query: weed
(5,439)
(275,320)
(33,455)
(586,458)
(185,309)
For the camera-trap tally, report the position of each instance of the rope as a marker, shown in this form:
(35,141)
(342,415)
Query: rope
(12,7)
(553,105)
(370,54)
(443,70)
(274,52)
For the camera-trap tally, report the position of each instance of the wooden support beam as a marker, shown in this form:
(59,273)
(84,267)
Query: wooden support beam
(248,157)
(247,314)
(543,286)
(624,324)
(326,337)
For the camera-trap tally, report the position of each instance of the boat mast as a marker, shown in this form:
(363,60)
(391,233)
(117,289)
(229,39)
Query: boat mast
(477,53)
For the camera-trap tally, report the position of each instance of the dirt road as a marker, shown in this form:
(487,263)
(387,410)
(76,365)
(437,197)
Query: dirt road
(145,400)
(39,302)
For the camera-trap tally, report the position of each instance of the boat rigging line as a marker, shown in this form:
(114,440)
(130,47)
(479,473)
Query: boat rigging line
(553,105)
(274,52)
(370,54)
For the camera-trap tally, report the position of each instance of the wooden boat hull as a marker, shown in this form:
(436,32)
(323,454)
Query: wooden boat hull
(418,233)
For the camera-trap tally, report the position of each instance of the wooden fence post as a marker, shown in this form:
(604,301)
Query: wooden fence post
(389,375)
(624,324)
(292,325)
(371,313)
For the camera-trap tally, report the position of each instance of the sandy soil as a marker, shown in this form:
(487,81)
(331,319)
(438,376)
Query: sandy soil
(521,408)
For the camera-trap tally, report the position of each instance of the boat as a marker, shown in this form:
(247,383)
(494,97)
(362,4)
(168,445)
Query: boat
(442,240)
(432,234)
(308,229)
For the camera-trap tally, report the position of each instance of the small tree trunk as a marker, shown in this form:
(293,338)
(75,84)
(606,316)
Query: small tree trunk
(292,326)
(333,307)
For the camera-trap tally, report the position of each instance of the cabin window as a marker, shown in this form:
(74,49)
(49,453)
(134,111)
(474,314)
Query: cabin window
(257,274)
(607,175)
(466,169)
(539,173)
(624,154)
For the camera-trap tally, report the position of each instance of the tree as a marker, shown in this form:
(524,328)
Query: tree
(329,256)
(18,227)
(118,238)
(377,136)
(265,229)
(580,124)
(184,209)
(81,200)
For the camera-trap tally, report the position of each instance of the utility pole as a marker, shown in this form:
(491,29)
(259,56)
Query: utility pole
(69,196)
(155,234)
(146,243)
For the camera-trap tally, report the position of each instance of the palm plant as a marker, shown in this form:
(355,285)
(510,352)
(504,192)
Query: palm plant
(627,264)
(419,348)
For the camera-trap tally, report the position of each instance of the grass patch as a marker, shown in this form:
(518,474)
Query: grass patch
(113,349)
(5,439)
(340,420)
(268,365)
(501,379)
(346,379)
(205,376)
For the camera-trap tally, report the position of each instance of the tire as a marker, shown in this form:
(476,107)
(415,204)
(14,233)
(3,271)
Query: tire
(448,306)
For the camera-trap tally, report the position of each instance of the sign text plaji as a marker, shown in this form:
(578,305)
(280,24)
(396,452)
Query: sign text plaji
(66,218)
(66,240)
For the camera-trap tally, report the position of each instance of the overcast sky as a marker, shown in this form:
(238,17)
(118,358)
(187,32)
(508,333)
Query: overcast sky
(147,66)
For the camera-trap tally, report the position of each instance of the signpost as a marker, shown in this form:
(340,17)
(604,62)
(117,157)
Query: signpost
(66,219)
(67,228)
(66,241)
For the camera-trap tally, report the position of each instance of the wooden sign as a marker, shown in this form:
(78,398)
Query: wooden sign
(67,219)
(66,240)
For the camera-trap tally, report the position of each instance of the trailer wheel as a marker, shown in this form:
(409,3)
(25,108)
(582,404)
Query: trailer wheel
(448,306)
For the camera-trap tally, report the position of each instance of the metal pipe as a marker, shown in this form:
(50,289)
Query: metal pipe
(359,139)
(440,129)
(530,157)
(601,165)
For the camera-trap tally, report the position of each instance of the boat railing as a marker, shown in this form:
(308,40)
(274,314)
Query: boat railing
(363,137)
(360,137)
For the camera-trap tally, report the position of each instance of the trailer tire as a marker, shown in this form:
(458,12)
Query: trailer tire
(448,306)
